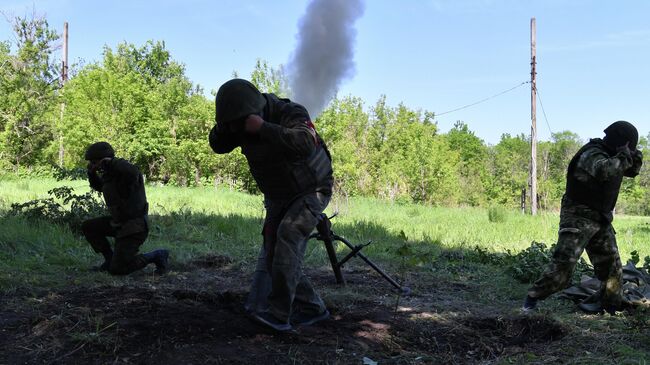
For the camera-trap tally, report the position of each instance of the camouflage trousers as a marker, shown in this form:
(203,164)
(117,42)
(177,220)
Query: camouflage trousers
(279,284)
(578,234)
(125,256)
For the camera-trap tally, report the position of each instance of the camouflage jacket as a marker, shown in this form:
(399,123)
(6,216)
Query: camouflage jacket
(122,186)
(594,178)
(287,157)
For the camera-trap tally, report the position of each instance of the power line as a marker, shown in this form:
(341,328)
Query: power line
(483,100)
(539,97)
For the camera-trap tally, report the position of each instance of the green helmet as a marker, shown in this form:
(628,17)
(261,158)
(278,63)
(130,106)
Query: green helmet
(99,150)
(619,133)
(237,99)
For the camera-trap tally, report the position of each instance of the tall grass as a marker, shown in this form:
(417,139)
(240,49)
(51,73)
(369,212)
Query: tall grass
(197,221)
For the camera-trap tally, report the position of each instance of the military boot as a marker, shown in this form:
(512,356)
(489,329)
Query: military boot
(530,304)
(269,320)
(108,256)
(160,258)
(307,319)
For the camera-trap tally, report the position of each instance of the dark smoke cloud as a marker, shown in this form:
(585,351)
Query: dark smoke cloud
(324,54)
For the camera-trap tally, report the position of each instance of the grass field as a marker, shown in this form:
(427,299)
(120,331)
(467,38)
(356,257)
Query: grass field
(195,223)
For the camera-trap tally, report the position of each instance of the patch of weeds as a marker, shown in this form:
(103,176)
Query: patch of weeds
(484,256)
(408,253)
(528,265)
(633,355)
(76,173)
(63,207)
(98,334)
(23,185)
(638,320)
(524,358)
(407,258)
(643,229)
(635,258)
(413,212)
(497,214)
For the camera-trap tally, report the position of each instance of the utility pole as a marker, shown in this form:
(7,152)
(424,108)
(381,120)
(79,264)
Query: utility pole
(533,120)
(64,63)
(64,78)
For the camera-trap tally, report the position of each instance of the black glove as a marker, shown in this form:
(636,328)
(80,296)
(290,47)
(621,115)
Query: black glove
(623,152)
(91,168)
(637,162)
(637,157)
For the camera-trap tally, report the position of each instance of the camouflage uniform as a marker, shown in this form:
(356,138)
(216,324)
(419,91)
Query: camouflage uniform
(122,186)
(279,284)
(292,168)
(593,183)
(125,258)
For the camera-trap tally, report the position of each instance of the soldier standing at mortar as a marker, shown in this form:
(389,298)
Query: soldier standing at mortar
(293,169)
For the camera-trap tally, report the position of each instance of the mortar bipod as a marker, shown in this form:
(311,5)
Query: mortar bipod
(324,233)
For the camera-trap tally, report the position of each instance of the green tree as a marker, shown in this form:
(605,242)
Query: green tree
(414,163)
(189,159)
(343,126)
(508,168)
(28,90)
(473,155)
(270,80)
(635,193)
(554,157)
(138,99)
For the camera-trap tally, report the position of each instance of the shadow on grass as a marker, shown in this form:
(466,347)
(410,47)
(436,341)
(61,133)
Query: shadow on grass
(29,248)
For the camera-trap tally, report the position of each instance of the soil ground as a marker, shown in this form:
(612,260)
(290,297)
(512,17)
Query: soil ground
(194,315)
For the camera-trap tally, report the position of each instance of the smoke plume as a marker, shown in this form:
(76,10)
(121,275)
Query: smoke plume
(324,54)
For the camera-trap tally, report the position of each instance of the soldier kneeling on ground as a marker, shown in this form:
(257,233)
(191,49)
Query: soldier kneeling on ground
(122,186)
(594,179)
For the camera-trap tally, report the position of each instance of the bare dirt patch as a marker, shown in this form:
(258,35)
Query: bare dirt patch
(473,338)
(167,323)
(211,261)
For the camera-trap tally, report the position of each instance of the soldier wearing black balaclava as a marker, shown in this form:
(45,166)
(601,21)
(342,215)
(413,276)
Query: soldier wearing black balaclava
(293,169)
(122,186)
(594,178)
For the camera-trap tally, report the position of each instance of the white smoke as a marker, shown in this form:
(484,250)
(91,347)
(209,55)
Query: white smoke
(324,54)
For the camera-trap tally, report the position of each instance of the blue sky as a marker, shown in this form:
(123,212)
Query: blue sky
(435,55)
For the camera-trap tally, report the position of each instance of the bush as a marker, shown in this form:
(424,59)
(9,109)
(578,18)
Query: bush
(635,258)
(529,264)
(63,208)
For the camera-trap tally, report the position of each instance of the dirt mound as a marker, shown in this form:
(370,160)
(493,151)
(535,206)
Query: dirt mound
(135,325)
(479,338)
(197,317)
(518,330)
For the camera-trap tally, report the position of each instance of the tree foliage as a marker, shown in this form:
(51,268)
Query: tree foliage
(140,100)
(28,84)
